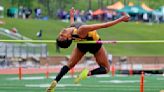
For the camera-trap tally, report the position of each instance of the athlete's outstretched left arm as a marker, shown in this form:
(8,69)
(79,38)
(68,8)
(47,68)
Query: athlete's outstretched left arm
(72,11)
(83,30)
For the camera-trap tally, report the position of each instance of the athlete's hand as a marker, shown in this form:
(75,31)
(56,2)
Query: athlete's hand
(125,17)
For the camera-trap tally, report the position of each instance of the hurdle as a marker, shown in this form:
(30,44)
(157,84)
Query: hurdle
(47,70)
(142,82)
(113,70)
(20,72)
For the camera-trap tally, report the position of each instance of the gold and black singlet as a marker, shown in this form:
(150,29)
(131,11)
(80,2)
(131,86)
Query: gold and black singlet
(87,47)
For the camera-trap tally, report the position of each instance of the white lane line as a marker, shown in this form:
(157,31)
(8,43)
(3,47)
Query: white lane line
(47,85)
(120,81)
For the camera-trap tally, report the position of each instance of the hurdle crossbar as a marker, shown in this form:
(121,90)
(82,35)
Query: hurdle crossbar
(103,41)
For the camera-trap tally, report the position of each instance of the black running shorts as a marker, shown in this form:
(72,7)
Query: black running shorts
(92,48)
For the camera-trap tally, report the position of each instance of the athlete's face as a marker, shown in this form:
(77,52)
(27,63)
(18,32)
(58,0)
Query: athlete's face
(65,34)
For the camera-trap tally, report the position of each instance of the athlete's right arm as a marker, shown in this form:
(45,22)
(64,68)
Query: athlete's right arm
(83,30)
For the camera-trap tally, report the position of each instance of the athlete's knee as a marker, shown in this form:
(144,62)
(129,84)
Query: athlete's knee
(70,65)
(104,69)
(107,69)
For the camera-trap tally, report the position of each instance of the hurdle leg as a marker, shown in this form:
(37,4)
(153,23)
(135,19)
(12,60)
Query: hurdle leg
(20,72)
(142,82)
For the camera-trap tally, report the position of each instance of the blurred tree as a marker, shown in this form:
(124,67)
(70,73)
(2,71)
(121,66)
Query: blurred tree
(46,4)
(17,3)
(48,7)
(107,2)
(98,3)
(73,3)
(112,1)
(101,4)
(89,4)
(124,2)
(13,2)
(52,7)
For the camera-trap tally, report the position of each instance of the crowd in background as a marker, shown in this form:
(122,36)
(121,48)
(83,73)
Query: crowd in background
(81,15)
(24,12)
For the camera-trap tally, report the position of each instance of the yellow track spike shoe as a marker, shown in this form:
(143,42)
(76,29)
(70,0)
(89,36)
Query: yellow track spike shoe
(52,86)
(83,75)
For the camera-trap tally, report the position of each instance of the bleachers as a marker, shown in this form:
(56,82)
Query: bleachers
(23,50)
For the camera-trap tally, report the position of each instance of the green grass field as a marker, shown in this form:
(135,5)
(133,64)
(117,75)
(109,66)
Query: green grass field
(122,31)
(153,83)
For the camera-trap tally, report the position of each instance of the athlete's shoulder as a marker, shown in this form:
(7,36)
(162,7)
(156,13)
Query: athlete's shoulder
(77,24)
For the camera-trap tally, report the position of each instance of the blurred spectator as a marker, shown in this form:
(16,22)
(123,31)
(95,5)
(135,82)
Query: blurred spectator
(156,19)
(12,12)
(1,11)
(108,16)
(27,12)
(20,12)
(145,17)
(62,14)
(163,18)
(110,58)
(89,15)
(77,16)
(82,15)
(59,13)
(38,13)
(160,19)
